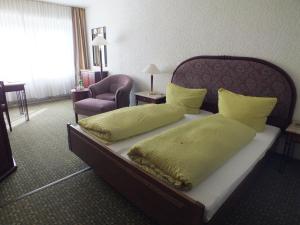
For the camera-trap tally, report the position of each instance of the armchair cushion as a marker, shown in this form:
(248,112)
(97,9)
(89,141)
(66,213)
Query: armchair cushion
(107,96)
(93,106)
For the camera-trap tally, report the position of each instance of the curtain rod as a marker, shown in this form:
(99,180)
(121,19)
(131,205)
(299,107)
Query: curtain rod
(56,3)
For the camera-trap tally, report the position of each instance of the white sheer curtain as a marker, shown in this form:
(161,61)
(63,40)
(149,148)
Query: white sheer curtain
(36,47)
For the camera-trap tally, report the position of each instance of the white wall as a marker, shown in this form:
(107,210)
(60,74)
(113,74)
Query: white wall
(166,32)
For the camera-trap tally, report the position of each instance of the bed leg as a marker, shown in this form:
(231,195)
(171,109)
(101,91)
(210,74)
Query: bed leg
(69,136)
(76,117)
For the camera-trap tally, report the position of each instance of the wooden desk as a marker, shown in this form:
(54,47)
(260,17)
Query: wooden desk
(19,88)
(7,163)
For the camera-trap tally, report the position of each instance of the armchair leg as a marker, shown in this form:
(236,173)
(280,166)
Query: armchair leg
(76,117)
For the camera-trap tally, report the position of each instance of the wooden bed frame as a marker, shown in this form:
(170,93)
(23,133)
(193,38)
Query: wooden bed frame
(166,205)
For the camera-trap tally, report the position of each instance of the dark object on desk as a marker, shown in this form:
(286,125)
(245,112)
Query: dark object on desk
(149,98)
(292,136)
(3,103)
(7,163)
(109,94)
(90,77)
(143,189)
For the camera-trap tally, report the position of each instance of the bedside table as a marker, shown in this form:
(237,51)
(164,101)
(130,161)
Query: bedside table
(292,136)
(78,95)
(149,98)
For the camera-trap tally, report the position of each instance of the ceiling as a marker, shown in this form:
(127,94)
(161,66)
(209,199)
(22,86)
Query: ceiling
(78,3)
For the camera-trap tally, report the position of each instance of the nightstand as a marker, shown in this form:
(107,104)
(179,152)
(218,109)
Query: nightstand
(292,136)
(149,98)
(78,95)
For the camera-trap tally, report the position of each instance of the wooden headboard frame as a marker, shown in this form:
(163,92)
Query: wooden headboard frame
(243,75)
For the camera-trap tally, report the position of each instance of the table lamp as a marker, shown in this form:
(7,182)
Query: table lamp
(151,69)
(100,41)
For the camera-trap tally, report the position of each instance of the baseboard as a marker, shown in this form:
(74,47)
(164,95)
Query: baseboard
(42,100)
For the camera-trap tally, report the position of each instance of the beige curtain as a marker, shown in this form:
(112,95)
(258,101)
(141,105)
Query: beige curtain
(81,56)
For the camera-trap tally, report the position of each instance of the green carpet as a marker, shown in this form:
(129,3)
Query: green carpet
(40,149)
(86,199)
(81,200)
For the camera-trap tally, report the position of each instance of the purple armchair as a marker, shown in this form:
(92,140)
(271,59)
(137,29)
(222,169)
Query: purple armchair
(106,95)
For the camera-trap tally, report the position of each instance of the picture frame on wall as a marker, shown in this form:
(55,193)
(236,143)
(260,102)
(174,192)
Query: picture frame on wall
(99,31)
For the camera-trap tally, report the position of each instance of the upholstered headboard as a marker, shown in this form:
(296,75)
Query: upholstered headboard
(244,75)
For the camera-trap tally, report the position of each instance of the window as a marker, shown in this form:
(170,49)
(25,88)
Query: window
(36,47)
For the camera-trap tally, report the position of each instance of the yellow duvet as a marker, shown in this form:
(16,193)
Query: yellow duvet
(186,155)
(130,121)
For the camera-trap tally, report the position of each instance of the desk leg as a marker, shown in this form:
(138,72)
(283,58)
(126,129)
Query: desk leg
(7,113)
(20,102)
(26,106)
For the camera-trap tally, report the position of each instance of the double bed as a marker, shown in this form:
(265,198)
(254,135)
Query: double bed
(204,202)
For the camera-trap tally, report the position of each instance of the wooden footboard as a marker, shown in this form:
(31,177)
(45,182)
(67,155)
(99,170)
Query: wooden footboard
(159,201)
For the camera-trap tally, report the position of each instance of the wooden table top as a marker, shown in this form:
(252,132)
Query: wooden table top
(13,83)
(80,90)
(13,86)
(294,127)
(147,94)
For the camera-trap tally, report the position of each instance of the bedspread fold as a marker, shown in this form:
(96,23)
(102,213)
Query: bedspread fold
(126,122)
(185,155)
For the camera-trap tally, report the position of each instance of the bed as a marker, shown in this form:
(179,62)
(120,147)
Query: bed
(204,203)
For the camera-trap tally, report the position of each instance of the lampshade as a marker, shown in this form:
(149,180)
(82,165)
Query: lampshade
(151,69)
(99,41)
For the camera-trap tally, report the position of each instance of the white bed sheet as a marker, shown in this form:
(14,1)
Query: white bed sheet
(214,191)
(121,146)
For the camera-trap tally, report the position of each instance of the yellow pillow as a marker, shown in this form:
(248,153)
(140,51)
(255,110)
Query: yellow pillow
(189,99)
(252,111)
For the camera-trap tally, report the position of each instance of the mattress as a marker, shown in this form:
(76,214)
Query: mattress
(214,191)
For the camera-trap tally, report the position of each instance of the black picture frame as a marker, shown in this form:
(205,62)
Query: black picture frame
(99,31)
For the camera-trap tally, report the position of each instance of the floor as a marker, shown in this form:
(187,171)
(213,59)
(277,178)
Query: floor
(40,149)
(80,197)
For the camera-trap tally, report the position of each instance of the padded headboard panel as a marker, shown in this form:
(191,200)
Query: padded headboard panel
(243,75)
